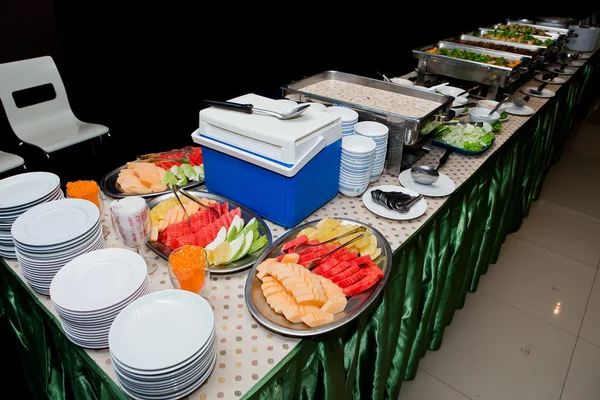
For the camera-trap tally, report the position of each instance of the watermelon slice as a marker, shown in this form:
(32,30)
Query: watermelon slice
(209,232)
(293,243)
(357,276)
(336,270)
(365,283)
(345,273)
(364,260)
(341,252)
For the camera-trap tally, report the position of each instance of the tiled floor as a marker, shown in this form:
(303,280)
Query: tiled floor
(532,330)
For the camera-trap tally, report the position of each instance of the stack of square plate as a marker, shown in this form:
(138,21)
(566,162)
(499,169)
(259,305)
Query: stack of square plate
(182,359)
(348,116)
(90,291)
(50,235)
(18,194)
(379,133)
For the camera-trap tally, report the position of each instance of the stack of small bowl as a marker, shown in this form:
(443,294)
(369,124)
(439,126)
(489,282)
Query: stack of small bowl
(349,118)
(358,155)
(379,133)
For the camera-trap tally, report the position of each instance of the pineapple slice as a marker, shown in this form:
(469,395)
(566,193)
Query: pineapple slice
(370,249)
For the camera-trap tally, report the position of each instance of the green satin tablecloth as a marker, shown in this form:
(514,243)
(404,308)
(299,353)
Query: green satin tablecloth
(368,359)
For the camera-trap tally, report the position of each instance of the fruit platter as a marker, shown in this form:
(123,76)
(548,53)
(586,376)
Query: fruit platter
(233,236)
(285,296)
(153,174)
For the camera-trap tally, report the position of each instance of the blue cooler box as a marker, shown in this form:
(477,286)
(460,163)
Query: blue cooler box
(283,170)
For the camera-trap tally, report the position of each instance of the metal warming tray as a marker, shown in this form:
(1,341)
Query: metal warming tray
(549,29)
(402,129)
(492,75)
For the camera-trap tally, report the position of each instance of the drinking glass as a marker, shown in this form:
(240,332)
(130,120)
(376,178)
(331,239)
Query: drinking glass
(134,229)
(188,270)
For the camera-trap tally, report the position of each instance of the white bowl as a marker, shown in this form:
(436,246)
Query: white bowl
(449,90)
(371,128)
(358,144)
(459,102)
(481,115)
(346,114)
(316,106)
(490,104)
(402,81)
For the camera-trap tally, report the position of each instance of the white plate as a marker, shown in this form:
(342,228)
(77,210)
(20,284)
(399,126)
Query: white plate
(504,119)
(556,81)
(524,111)
(8,217)
(416,210)
(556,70)
(184,392)
(162,382)
(98,280)
(63,256)
(44,225)
(19,190)
(444,186)
(62,248)
(546,94)
(169,373)
(159,314)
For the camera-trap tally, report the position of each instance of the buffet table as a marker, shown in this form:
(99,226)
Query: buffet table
(438,258)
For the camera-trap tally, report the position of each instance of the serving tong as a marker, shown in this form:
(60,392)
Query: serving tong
(301,247)
(313,263)
(176,190)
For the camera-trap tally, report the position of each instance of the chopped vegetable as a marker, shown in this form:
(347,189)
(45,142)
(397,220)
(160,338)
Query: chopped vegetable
(504,115)
(477,57)
(466,136)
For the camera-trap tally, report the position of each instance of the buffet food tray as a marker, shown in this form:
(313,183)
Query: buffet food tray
(357,304)
(108,185)
(402,129)
(488,74)
(555,31)
(244,263)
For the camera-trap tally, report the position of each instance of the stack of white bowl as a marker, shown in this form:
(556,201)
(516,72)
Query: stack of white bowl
(50,235)
(358,155)
(379,133)
(348,116)
(163,345)
(89,292)
(18,194)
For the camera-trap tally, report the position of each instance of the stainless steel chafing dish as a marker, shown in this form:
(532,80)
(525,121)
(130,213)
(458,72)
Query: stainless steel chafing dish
(402,129)
(488,74)
(552,30)
(549,50)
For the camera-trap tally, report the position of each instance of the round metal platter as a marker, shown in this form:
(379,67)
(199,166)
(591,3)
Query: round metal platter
(108,185)
(267,317)
(240,265)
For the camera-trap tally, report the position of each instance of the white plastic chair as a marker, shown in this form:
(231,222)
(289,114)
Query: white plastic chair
(9,161)
(50,125)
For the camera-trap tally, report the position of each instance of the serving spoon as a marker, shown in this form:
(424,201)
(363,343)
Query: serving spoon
(426,175)
(250,109)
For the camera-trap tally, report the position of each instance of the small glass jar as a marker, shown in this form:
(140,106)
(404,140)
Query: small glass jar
(188,270)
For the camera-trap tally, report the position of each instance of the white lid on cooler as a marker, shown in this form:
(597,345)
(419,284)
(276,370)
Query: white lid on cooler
(282,146)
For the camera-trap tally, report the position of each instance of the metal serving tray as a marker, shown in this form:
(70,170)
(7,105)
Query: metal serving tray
(540,37)
(237,266)
(550,29)
(403,129)
(492,75)
(357,304)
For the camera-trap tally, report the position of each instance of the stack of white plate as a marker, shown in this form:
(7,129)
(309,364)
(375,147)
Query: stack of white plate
(163,346)
(18,194)
(349,118)
(89,292)
(358,155)
(379,133)
(50,235)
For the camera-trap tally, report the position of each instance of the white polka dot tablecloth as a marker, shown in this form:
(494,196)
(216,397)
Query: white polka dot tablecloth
(246,351)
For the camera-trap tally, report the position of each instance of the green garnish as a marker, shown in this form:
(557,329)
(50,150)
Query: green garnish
(504,115)
(497,126)
(477,57)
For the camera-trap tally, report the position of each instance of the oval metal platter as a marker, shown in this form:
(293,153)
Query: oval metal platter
(108,185)
(357,304)
(237,266)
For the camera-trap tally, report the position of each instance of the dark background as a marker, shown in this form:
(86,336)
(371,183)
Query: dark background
(143,69)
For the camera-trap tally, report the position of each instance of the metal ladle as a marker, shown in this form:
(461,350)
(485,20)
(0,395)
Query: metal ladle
(250,109)
(427,175)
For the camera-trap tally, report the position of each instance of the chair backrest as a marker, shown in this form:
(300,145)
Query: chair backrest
(26,74)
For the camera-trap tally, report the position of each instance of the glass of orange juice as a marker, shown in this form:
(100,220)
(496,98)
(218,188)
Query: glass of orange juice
(188,270)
